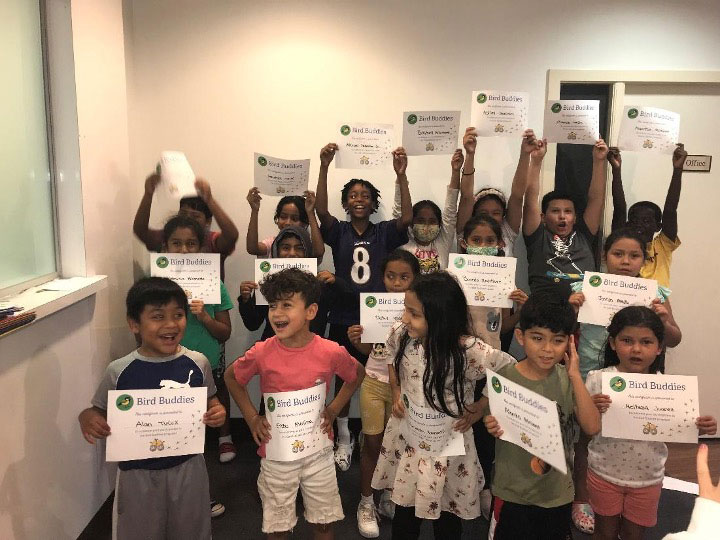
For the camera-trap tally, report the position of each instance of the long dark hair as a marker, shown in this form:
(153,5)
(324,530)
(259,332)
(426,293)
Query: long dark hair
(636,316)
(446,314)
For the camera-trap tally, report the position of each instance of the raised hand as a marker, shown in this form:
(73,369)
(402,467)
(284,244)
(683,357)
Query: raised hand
(528,141)
(614,157)
(254,198)
(600,150)
(400,160)
(679,156)
(309,201)
(151,183)
(203,189)
(538,153)
(456,161)
(327,154)
(470,140)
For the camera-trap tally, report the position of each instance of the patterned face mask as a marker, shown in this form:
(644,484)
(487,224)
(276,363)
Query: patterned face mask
(484,250)
(426,233)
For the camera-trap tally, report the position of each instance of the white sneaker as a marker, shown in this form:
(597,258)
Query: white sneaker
(386,507)
(343,454)
(368,521)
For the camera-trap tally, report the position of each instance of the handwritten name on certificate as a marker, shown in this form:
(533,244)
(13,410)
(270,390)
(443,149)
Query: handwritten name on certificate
(281,177)
(378,312)
(606,294)
(648,129)
(265,267)
(155,423)
(364,146)
(177,178)
(197,273)
(294,419)
(485,280)
(529,421)
(572,121)
(499,114)
(429,431)
(430,132)
(650,407)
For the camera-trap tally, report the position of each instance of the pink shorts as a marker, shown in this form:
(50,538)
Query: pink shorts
(638,505)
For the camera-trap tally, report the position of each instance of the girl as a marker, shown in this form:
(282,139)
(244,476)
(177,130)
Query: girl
(625,494)
(433,359)
(399,270)
(291,210)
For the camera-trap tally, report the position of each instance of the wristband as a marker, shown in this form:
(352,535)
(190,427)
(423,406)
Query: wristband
(467,173)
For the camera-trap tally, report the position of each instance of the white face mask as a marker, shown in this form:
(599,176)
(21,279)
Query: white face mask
(425,233)
(482,250)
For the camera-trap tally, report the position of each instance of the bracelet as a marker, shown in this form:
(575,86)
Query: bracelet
(467,173)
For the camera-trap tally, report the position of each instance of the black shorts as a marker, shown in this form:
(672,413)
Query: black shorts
(338,334)
(513,521)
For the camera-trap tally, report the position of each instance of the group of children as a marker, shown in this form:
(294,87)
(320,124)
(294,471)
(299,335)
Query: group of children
(435,355)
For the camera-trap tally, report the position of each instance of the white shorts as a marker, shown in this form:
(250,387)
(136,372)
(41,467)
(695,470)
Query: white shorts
(278,485)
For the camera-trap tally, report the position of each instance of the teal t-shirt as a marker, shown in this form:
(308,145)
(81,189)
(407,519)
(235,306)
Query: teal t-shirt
(198,338)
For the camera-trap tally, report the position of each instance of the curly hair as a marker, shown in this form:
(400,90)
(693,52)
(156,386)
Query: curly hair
(289,281)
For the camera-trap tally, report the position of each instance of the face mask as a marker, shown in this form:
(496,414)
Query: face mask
(426,233)
(484,250)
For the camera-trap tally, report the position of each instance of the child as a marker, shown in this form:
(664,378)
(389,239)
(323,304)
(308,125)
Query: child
(291,210)
(399,270)
(359,247)
(647,218)
(201,208)
(433,359)
(625,495)
(530,504)
(157,497)
(294,359)
(559,246)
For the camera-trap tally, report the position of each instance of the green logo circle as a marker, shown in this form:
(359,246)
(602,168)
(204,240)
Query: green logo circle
(496,385)
(459,262)
(412,119)
(264,266)
(124,402)
(632,113)
(345,130)
(556,108)
(618,384)
(595,281)
(262,161)
(162,262)
(271,404)
(481,98)
(405,401)
(371,301)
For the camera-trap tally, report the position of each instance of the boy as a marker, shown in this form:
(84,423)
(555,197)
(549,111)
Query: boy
(157,497)
(294,359)
(559,247)
(532,500)
(648,219)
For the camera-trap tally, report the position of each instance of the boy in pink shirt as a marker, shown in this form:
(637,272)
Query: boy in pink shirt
(294,359)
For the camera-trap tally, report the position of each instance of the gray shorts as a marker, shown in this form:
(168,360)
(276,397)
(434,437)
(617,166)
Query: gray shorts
(163,504)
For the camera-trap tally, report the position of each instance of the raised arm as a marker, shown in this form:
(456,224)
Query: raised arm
(669,218)
(321,193)
(252,244)
(142,216)
(316,238)
(400,163)
(619,217)
(596,192)
(467,182)
(531,204)
(225,242)
(519,183)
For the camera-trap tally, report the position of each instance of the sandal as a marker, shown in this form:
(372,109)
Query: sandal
(583,517)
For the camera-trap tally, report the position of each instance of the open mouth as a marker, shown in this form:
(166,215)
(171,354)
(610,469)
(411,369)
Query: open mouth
(168,339)
(280,325)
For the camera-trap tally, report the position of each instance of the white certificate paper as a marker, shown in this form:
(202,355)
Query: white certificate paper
(429,431)
(155,423)
(378,312)
(364,146)
(606,294)
(572,121)
(177,178)
(265,267)
(197,273)
(294,419)
(281,177)
(499,114)
(528,420)
(651,407)
(430,132)
(485,280)
(648,129)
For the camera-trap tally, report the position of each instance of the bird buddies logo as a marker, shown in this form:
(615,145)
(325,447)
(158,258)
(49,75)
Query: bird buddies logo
(271,404)
(497,386)
(459,262)
(265,267)
(595,281)
(632,113)
(345,130)
(124,402)
(162,262)
(371,301)
(481,98)
(262,161)
(556,108)
(412,119)
(618,384)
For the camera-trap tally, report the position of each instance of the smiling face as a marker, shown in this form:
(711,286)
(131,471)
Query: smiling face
(160,329)
(414,317)
(291,246)
(543,347)
(398,276)
(644,221)
(491,207)
(560,217)
(288,215)
(183,240)
(290,319)
(625,257)
(359,203)
(637,347)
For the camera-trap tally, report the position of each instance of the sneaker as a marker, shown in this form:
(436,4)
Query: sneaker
(367,520)
(217,509)
(386,507)
(227,452)
(343,454)
(485,503)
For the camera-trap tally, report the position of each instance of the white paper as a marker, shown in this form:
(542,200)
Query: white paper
(572,121)
(650,407)
(294,419)
(528,420)
(155,423)
(676,484)
(648,129)
(430,132)
(265,267)
(177,178)
(378,312)
(364,146)
(281,177)
(197,273)
(430,431)
(499,114)
(485,280)
(606,294)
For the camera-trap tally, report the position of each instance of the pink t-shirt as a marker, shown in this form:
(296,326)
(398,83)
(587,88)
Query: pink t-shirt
(285,369)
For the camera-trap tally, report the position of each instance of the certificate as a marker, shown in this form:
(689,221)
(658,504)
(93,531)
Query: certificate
(430,132)
(294,419)
(647,129)
(155,423)
(275,176)
(650,407)
(572,121)
(485,280)
(177,178)
(265,267)
(430,431)
(528,420)
(197,273)
(378,312)
(606,294)
(499,114)
(364,146)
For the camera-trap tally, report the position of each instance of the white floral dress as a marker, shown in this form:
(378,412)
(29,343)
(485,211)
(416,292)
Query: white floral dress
(434,484)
